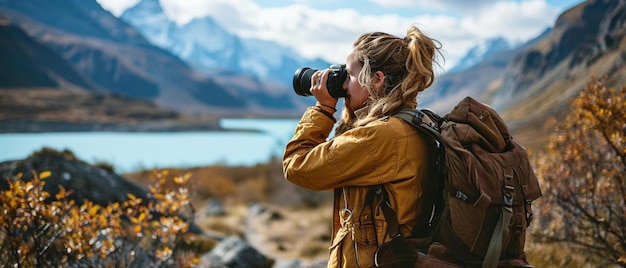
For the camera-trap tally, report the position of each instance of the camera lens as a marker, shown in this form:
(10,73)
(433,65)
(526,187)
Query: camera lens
(302,81)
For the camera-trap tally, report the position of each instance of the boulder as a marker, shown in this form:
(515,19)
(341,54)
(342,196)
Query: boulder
(99,184)
(235,252)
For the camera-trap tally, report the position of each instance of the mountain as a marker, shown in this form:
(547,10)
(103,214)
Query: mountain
(588,39)
(535,82)
(481,52)
(83,48)
(210,49)
(27,63)
(479,74)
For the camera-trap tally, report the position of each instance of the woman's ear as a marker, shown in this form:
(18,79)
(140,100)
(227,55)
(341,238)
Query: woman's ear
(378,81)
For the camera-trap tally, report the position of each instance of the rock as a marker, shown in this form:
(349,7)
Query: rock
(214,208)
(300,264)
(99,184)
(288,264)
(235,252)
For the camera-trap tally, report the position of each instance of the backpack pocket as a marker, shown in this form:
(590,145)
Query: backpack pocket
(468,218)
(491,180)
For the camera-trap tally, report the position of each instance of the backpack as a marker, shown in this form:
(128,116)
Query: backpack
(485,185)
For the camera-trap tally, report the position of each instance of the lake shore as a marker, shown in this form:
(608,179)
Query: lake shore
(39,126)
(50,110)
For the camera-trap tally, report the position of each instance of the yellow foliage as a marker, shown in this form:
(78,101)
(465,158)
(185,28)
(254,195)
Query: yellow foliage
(582,175)
(35,231)
(44,175)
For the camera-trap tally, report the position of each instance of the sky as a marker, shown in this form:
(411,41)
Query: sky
(327,28)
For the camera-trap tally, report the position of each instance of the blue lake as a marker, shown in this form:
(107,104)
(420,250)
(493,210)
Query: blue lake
(132,151)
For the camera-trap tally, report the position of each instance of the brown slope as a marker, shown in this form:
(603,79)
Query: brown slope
(588,39)
(479,81)
(27,63)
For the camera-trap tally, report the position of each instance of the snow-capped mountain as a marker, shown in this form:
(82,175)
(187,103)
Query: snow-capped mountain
(153,24)
(204,44)
(480,52)
(210,49)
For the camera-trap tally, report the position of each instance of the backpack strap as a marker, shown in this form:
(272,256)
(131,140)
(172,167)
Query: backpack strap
(428,122)
(385,206)
(501,230)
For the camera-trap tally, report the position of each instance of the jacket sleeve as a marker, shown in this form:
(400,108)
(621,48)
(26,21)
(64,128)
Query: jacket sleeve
(354,158)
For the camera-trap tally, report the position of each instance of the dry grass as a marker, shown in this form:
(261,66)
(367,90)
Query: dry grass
(561,255)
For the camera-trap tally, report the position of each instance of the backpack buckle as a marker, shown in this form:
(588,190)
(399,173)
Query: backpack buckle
(417,118)
(461,195)
(508,189)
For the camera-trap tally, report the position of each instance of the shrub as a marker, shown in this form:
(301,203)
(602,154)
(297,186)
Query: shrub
(37,230)
(584,175)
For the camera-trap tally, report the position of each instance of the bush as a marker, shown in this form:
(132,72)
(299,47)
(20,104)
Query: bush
(37,230)
(584,176)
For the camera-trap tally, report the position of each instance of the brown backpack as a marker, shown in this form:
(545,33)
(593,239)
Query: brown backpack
(486,186)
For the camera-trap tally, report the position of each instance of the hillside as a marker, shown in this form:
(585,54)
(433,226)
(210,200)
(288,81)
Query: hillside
(587,40)
(479,80)
(28,63)
(531,84)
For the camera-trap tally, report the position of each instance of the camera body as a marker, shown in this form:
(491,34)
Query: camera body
(334,83)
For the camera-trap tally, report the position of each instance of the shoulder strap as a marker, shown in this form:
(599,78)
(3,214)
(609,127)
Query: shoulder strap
(428,122)
(423,119)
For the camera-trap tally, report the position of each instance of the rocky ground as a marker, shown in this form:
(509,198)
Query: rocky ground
(288,236)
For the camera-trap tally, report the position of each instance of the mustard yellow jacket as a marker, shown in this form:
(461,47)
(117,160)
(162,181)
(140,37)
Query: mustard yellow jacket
(388,152)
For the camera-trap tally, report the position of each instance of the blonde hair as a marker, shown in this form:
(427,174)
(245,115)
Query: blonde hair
(408,65)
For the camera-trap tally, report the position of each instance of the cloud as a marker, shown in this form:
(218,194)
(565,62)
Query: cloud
(458,24)
(458,7)
(514,21)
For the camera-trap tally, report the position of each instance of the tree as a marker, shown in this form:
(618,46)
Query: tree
(583,175)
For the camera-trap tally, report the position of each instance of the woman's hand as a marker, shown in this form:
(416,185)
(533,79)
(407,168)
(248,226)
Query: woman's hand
(320,91)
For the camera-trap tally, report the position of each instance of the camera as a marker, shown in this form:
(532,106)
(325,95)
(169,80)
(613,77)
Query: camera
(334,83)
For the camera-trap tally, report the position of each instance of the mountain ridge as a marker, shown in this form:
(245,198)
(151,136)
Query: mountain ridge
(117,59)
(23,65)
(480,79)
(210,48)
(480,52)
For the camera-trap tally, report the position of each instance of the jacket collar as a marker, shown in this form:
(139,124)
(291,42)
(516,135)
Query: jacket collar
(362,112)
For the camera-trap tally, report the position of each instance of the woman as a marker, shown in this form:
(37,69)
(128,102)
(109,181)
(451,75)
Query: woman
(370,147)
